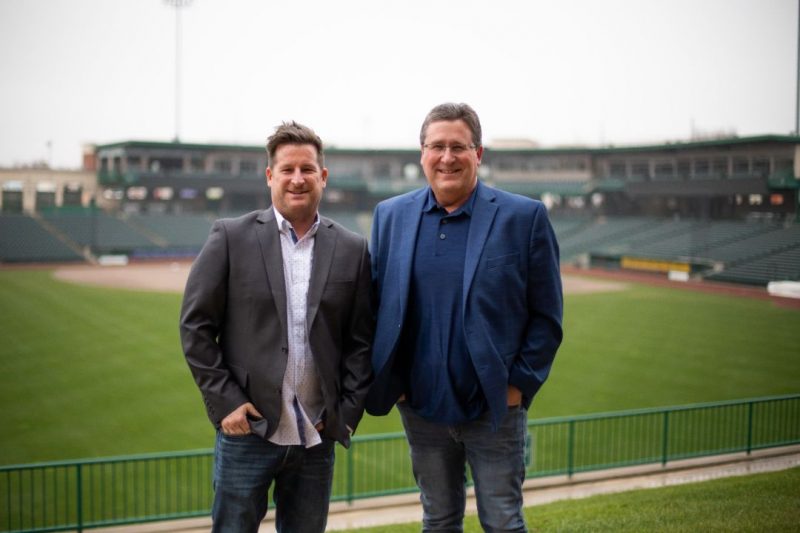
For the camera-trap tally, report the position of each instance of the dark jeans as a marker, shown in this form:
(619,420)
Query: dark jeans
(439,455)
(244,469)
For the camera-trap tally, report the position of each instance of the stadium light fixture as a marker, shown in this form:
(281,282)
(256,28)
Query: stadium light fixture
(178,5)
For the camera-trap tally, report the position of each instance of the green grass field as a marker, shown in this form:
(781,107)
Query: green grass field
(88,372)
(759,502)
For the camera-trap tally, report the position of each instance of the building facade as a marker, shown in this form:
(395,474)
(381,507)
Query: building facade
(731,178)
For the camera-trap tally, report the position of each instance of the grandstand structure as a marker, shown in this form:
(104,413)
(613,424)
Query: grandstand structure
(724,209)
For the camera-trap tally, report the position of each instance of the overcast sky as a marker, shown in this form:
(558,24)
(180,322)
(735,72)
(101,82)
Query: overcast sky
(365,72)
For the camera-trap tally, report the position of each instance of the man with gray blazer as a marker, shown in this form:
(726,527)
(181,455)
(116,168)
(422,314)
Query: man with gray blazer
(276,327)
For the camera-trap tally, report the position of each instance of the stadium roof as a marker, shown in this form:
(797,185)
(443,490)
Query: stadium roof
(682,145)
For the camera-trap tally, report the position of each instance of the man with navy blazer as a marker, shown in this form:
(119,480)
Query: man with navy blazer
(276,327)
(469,310)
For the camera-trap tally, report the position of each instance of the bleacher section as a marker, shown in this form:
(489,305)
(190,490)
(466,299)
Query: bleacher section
(736,251)
(606,231)
(772,256)
(105,234)
(175,233)
(742,252)
(24,240)
(681,239)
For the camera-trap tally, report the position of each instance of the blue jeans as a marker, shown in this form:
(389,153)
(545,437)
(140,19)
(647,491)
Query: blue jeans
(246,466)
(439,455)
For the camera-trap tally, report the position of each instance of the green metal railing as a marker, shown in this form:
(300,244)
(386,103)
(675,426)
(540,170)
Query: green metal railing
(77,495)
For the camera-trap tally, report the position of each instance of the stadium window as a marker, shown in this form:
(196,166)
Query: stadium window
(134,163)
(113,194)
(73,194)
(664,170)
(222,165)
(755,199)
(571,163)
(382,170)
(188,194)
(45,195)
(741,166)
(761,166)
(215,193)
(197,164)
(334,196)
(14,185)
(12,200)
(166,164)
(136,193)
(576,202)
(411,171)
(684,168)
(163,193)
(702,168)
(616,169)
(640,170)
(550,163)
(247,166)
(720,168)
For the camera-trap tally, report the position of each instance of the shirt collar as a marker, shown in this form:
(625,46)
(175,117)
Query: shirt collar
(431,204)
(285,227)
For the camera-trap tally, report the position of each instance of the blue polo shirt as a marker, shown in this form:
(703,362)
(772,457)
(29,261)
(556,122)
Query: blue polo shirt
(443,385)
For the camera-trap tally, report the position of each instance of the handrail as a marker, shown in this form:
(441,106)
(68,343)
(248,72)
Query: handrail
(90,493)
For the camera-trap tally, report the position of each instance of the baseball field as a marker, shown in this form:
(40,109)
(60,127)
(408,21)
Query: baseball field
(94,368)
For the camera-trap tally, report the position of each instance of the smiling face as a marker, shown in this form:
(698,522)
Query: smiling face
(296,180)
(450,161)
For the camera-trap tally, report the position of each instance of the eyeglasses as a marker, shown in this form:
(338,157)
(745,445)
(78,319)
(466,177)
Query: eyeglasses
(455,149)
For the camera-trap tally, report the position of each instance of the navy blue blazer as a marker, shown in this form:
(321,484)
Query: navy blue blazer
(512,294)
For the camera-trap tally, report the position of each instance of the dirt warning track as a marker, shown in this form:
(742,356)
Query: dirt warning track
(171,277)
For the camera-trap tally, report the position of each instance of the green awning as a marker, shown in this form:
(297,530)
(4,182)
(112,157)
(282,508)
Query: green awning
(537,188)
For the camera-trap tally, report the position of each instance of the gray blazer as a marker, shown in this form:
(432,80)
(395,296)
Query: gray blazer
(233,321)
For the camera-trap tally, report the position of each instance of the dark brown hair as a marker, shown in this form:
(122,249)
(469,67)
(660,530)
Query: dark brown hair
(293,133)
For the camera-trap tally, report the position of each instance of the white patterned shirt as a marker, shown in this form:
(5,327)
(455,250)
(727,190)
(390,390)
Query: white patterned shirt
(302,404)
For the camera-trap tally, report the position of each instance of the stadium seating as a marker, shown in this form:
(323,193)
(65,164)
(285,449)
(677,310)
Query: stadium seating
(741,252)
(186,231)
(604,231)
(23,239)
(772,256)
(104,233)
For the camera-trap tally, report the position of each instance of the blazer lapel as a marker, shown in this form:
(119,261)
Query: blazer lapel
(409,226)
(270,244)
(483,213)
(324,245)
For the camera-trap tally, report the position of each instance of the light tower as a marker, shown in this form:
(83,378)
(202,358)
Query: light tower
(178,5)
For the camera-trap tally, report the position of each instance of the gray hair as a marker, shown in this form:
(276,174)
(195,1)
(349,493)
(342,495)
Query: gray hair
(450,112)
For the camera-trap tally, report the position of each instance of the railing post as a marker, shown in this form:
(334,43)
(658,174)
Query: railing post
(79,496)
(749,427)
(351,472)
(571,449)
(665,440)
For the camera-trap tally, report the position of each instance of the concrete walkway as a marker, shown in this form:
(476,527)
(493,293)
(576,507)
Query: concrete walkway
(406,508)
